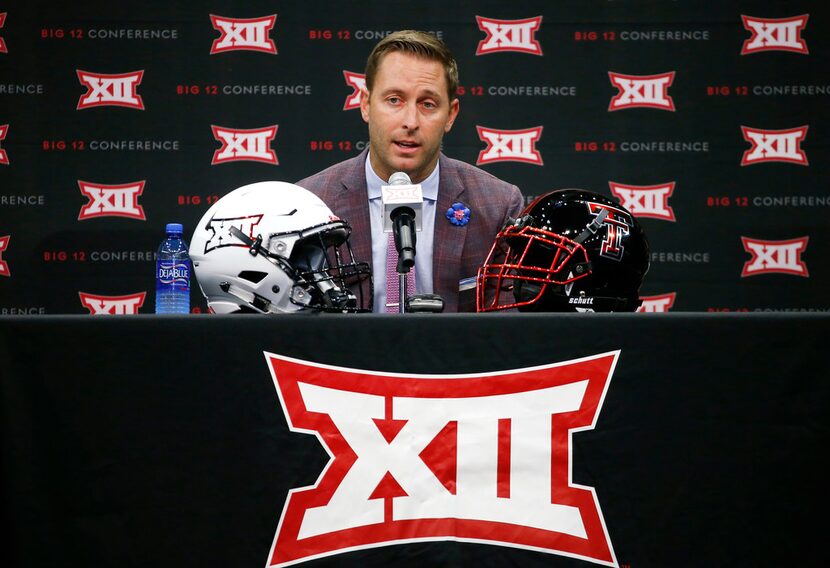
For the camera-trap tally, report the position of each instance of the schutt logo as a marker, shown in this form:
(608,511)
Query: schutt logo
(110,90)
(474,458)
(509,35)
(769,257)
(645,200)
(112,200)
(774,146)
(240,34)
(509,145)
(646,91)
(112,305)
(771,34)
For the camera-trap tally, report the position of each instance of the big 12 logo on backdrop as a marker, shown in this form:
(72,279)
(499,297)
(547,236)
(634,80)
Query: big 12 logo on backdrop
(642,91)
(112,305)
(482,458)
(103,89)
(4,157)
(4,266)
(775,34)
(775,257)
(112,200)
(509,35)
(243,34)
(509,145)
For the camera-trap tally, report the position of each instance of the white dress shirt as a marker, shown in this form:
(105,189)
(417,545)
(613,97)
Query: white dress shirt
(380,239)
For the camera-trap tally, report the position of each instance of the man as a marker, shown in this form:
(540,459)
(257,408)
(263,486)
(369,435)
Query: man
(409,103)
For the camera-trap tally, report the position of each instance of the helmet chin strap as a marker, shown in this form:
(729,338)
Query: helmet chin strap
(592,227)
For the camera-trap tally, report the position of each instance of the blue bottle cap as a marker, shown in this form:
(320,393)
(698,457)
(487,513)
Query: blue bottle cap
(174,228)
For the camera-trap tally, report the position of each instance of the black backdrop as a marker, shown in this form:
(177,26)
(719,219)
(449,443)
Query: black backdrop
(708,450)
(85,192)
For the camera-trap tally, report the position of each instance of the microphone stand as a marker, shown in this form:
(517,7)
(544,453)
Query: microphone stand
(403,226)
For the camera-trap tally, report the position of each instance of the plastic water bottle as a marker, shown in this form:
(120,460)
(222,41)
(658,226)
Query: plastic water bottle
(173,273)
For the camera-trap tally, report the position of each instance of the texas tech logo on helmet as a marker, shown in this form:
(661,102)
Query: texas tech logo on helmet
(240,145)
(4,157)
(509,145)
(110,90)
(661,303)
(645,200)
(111,200)
(220,227)
(356,81)
(617,225)
(509,35)
(241,34)
(112,305)
(4,244)
(646,91)
(482,458)
(3,48)
(774,146)
(782,257)
(775,34)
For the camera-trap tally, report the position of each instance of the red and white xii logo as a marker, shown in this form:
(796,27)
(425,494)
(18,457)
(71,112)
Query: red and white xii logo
(774,145)
(356,81)
(3,48)
(647,91)
(4,157)
(509,145)
(509,35)
(112,305)
(245,145)
(483,458)
(645,200)
(112,200)
(783,257)
(4,267)
(661,303)
(110,90)
(775,34)
(241,34)
(220,231)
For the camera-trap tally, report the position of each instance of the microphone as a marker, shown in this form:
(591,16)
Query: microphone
(403,207)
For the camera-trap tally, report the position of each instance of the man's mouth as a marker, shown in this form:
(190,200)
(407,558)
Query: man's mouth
(405,145)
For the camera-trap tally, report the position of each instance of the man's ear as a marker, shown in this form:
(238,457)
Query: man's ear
(364,104)
(455,106)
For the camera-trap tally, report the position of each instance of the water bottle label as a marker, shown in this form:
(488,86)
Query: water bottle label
(174,273)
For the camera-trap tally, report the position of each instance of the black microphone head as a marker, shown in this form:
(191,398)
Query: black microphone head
(402,210)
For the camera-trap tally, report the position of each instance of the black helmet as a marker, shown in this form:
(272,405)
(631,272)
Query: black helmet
(570,250)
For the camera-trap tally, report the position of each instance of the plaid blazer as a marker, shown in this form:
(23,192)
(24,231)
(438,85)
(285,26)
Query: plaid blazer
(458,252)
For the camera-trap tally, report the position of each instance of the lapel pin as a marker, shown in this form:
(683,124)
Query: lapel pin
(458,214)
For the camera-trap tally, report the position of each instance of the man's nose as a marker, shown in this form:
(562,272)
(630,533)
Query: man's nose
(410,116)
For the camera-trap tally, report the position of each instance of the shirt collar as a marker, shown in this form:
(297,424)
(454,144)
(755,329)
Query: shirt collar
(429,186)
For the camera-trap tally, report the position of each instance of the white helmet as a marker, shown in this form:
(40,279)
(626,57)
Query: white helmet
(274,247)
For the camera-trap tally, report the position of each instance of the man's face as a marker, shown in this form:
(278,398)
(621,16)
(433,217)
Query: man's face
(408,112)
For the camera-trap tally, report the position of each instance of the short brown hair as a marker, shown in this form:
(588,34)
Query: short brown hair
(418,43)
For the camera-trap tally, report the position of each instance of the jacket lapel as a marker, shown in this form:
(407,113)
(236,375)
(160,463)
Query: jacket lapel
(448,242)
(352,205)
